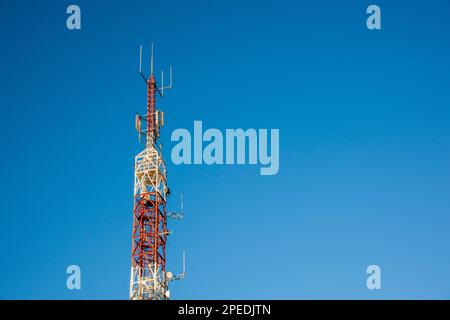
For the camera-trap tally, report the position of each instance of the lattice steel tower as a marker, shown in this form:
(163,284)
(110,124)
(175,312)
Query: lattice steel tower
(149,277)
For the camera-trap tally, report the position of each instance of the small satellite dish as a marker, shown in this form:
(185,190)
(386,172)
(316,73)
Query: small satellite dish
(169,275)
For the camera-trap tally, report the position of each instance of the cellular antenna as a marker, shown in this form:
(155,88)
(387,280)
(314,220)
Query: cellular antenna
(140,66)
(177,215)
(182,210)
(181,275)
(140,59)
(162,88)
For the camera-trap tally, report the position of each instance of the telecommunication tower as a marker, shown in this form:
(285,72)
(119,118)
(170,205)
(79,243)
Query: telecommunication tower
(149,277)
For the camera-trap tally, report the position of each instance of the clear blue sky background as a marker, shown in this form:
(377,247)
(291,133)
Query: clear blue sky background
(364,146)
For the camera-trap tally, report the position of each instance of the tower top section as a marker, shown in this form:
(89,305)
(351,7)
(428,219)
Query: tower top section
(154,118)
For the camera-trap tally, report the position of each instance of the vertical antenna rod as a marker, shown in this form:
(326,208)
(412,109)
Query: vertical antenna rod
(151,61)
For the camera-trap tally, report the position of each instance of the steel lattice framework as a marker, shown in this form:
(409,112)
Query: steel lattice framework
(149,278)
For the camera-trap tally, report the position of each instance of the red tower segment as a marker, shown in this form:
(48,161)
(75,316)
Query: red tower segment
(151,93)
(149,278)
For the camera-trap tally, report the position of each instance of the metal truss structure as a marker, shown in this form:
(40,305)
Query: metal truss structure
(149,278)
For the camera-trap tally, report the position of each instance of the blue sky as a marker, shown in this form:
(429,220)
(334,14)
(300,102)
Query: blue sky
(364,147)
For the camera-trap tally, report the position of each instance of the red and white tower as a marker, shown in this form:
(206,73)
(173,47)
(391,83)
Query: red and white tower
(149,277)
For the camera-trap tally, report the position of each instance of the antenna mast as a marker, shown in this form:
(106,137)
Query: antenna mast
(149,278)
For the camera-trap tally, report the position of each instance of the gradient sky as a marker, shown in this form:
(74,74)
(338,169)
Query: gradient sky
(364,146)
